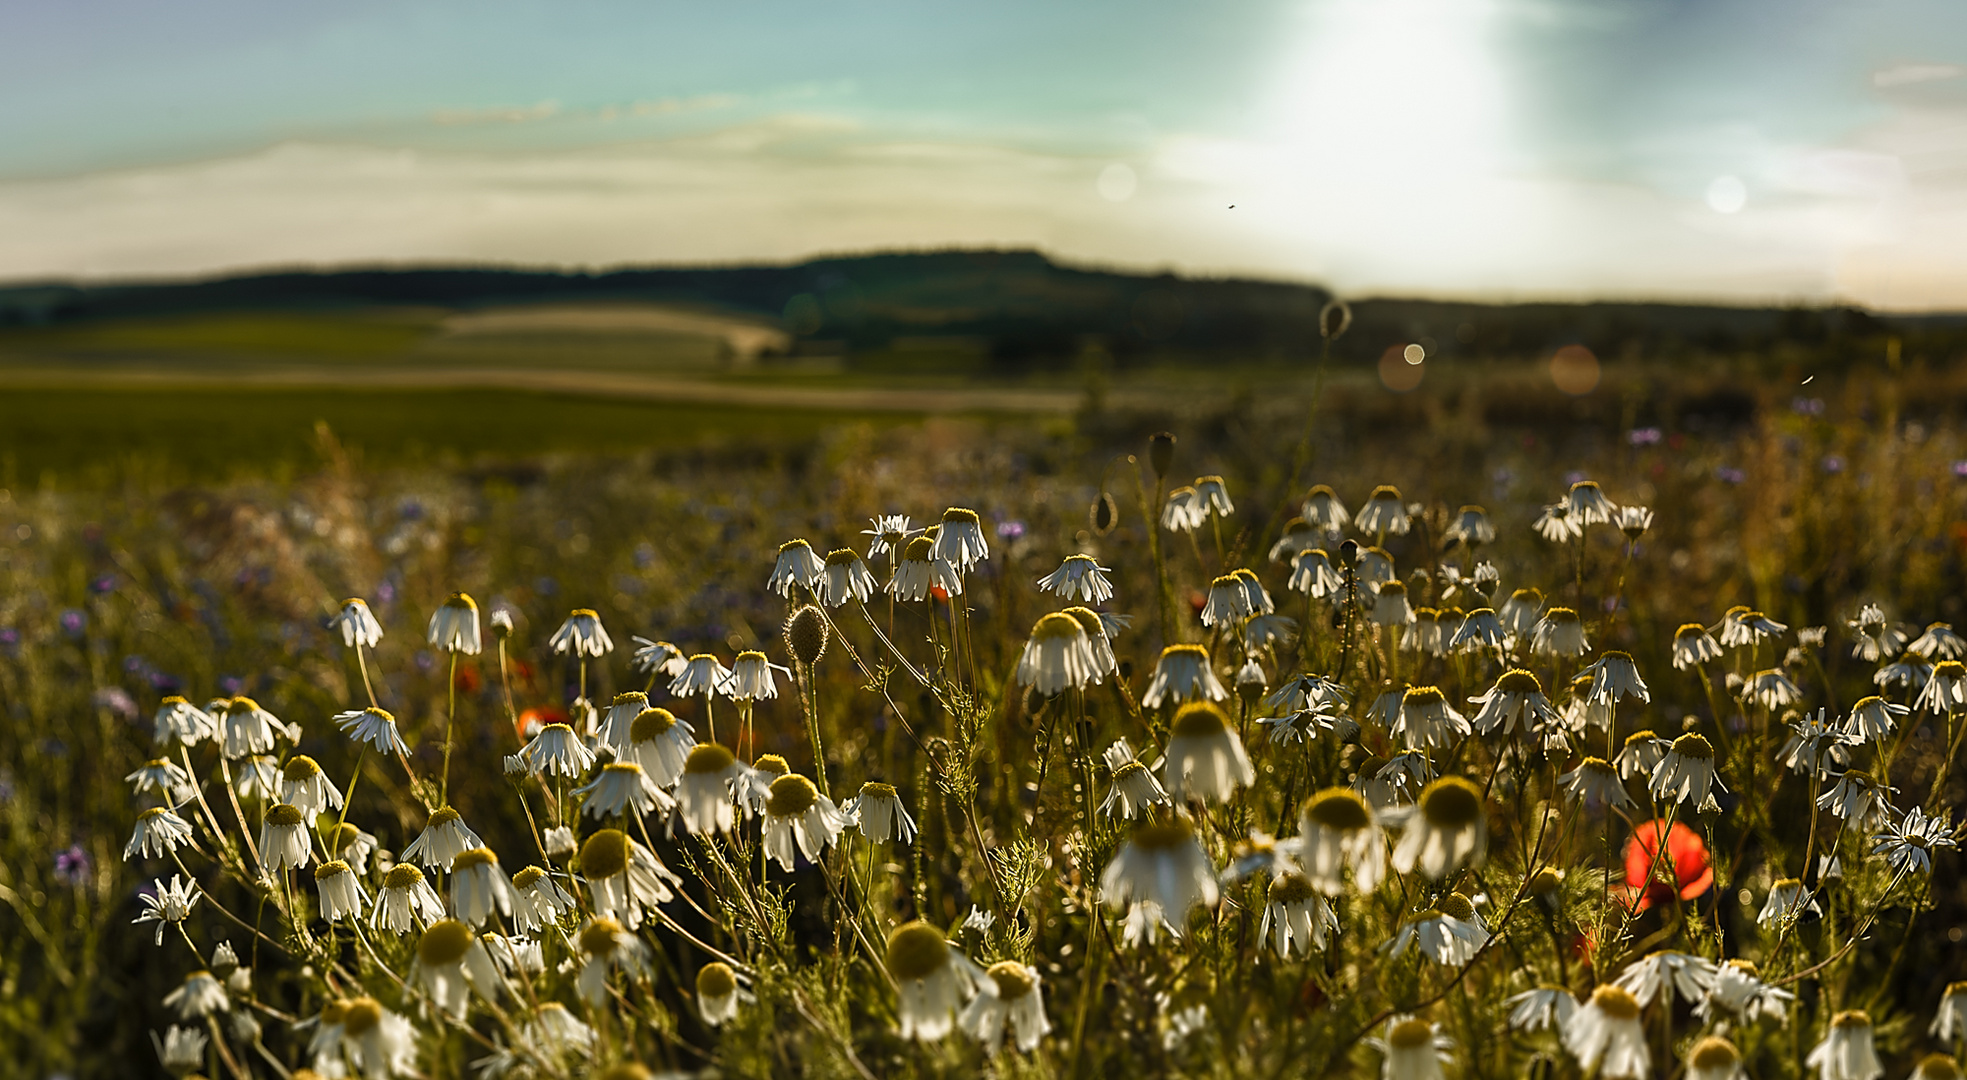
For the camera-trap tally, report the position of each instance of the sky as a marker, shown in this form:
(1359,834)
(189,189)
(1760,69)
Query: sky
(1791,151)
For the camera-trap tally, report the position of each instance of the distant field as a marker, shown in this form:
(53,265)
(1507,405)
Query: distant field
(95,436)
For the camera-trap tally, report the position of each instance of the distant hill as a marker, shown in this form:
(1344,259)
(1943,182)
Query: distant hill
(1021,308)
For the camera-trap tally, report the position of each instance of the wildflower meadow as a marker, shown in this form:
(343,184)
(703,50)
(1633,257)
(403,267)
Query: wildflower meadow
(1280,735)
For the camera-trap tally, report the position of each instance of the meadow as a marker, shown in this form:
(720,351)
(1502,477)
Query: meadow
(1316,853)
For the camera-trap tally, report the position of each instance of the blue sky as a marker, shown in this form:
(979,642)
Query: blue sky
(1726,149)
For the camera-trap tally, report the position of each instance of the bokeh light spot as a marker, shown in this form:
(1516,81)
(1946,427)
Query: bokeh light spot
(1413,354)
(1575,370)
(1397,372)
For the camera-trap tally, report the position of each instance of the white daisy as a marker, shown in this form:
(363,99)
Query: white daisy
(1471,527)
(879,814)
(1873,718)
(1323,510)
(181,720)
(1692,646)
(1159,875)
(1413,1050)
(621,787)
(1737,991)
(1516,697)
(163,776)
(717,993)
(1939,640)
(845,577)
(921,572)
(933,977)
(661,743)
(582,634)
(1205,760)
(537,900)
(751,677)
(1909,843)
(1183,673)
(405,901)
(701,675)
(341,892)
(443,839)
(1788,901)
(1445,829)
(1670,973)
(373,726)
(1338,828)
(1686,774)
(199,996)
(796,813)
(1480,629)
(1605,1035)
(248,729)
(960,541)
(1847,1052)
(1521,613)
(1541,1008)
(1296,919)
(798,564)
(1450,934)
(1007,996)
(1134,786)
(1312,573)
(454,625)
(479,887)
(624,878)
(1945,690)
(284,841)
(657,657)
(1426,721)
(1299,535)
(1080,577)
(1596,783)
(606,946)
(1058,656)
(168,905)
(1383,513)
(1184,511)
(304,784)
(557,751)
(706,798)
(1560,633)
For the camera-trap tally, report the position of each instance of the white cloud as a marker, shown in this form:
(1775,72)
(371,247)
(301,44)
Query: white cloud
(1907,74)
(1881,220)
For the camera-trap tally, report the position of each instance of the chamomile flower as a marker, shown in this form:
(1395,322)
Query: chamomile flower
(661,744)
(612,729)
(1323,510)
(1847,1051)
(1337,828)
(1184,511)
(200,996)
(479,887)
(1558,524)
(1182,674)
(1736,991)
(374,726)
(181,720)
(1670,973)
(717,992)
(701,676)
(933,977)
(1446,829)
(181,1051)
(1205,759)
(1595,782)
(605,946)
(1614,678)
(921,572)
(452,962)
(1413,1050)
(1228,602)
(877,812)
(1686,774)
(1384,513)
(1605,1035)
(1159,875)
(706,798)
(1714,1058)
(1815,745)
(454,626)
(1932,1067)
(796,813)
(1058,656)
(1390,607)
(1134,786)
(1856,800)
(1312,574)
(582,635)
(1521,613)
(621,787)
(1426,721)
(357,623)
(341,892)
(1259,601)
(248,729)
(557,751)
(845,577)
(1099,636)
(960,541)
(889,533)
(1873,638)
(1375,567)
(1788,901)
(1873,718)
(657,657)
(168,905)
(1299,535)
(1079,577)
(304,784)
(1479,629)
(405,901)
(1742,626)
(284,842)
(1908,672)
(1908,844)
(1007,996)
(1945,690)
(1950,1021)
(1939,640)
(1587,502)
(376,1041)
(1560,633)
(443,839)
(1541,1008)
(1470,527)
(1296,919)
(163,776)
(1516,698)
(1450,934)
(1633,521)
(623,877)
(1771,689)
(1641,755)
(1693,646)
(538,901)
(798,565)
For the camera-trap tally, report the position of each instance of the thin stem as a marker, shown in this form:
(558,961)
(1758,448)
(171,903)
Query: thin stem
(450,720)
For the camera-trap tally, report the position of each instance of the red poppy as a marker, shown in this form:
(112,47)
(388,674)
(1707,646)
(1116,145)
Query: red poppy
(532,720)
(1198,600)
(468,680)
(939,592)
(1647,886)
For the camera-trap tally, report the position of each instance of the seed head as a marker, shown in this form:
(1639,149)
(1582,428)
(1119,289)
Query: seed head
(806,634)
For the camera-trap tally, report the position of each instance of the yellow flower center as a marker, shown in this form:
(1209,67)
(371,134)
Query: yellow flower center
(916,950)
